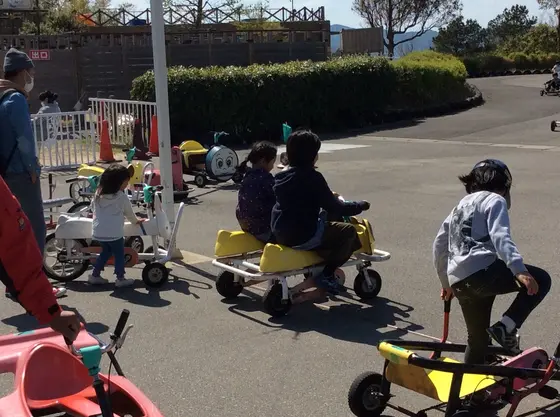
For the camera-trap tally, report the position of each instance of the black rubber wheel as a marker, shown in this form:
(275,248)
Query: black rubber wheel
(179,196)
(542,93)
(365,397)
(361,287)
(200,181)
(155,275)
(226,285)
(58,271)
(421,414)
(237,177)
(273,303)
(83,206)
(136,243)
(553,125)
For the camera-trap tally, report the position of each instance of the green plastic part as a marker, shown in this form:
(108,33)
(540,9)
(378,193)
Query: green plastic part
(217,137)
(93,182)
(148,194)
(130,154)
(286,132)
(91,358)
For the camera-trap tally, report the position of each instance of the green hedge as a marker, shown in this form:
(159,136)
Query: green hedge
(489,63)
(340,93)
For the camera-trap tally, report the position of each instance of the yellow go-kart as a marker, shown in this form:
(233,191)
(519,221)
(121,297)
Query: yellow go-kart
(276,263)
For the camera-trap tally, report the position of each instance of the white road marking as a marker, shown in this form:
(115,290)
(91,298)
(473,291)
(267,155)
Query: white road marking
(329,147)
(457,142)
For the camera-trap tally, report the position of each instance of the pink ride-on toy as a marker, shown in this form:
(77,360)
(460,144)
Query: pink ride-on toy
(53,376)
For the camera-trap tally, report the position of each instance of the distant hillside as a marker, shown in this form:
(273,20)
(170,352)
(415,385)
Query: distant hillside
(419,44)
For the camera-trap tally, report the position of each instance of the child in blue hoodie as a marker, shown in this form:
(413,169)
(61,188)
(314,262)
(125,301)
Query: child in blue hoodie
(476,260)
(303,200)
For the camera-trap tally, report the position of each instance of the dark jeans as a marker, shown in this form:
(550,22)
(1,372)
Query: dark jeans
(476,295)
(31,200)
(114,248)
(339,242)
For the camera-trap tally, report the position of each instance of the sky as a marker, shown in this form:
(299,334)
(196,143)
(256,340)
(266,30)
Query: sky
(340,11)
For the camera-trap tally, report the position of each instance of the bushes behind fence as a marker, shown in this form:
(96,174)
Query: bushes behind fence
(341,93)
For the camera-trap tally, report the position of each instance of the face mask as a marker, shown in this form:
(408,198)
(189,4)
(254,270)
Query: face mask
(29,84)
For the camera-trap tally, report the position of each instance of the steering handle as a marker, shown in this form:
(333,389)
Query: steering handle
(121,323)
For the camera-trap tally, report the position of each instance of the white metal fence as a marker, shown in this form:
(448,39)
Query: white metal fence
(122,116)
(64,140)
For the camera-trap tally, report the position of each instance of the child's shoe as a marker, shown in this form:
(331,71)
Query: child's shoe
(123,282)
(97,280)
(329,284)
(508,340)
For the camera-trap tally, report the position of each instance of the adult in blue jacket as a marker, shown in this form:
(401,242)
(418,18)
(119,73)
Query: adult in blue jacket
(19,165)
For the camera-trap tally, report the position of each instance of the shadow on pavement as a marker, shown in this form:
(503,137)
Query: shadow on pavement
(358,323)
(24,322)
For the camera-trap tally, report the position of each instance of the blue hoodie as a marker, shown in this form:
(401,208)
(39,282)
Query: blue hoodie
(301,193)
(16,131)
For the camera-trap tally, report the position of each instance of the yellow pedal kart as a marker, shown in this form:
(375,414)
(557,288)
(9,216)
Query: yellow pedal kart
(276,263)
(461,390)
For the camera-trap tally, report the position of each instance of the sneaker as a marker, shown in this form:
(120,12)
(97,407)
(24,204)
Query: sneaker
(58,292)
(97,280)
(329,284)
(507,340)
(123,282)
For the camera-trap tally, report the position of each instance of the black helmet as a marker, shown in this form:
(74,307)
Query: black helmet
(503,168)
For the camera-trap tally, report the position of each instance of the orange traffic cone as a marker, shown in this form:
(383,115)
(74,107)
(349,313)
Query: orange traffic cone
(154,142)
(105,150)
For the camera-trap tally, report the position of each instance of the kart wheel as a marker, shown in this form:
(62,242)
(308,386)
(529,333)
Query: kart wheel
(136,243)
(553,125)
(155,275)
(200,181)
(421,414)
(78,189)
(226,285)
(366,397)
(542,93)
(83,207)
(61,270)
(364,290)
(273,303)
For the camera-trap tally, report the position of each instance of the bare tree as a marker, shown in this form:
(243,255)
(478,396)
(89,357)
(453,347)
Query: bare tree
(401,16)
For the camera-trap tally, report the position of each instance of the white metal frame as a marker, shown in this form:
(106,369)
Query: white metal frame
(64,140)
(235,263)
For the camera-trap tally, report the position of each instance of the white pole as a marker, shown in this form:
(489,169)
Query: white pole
(162,103)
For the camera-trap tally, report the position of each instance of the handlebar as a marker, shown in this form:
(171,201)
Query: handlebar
(117,337)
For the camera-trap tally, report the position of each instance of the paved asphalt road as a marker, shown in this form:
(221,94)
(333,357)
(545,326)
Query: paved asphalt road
(196,355)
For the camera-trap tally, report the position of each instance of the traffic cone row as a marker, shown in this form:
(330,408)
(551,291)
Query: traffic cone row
(106,151)
(154,142)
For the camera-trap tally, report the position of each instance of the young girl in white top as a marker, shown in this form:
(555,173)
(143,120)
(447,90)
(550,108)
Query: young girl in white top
(110,207)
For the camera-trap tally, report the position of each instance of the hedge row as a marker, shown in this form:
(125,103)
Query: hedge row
(519,63)
(341,93)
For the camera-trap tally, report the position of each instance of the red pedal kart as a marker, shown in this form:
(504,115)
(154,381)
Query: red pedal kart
(52,376)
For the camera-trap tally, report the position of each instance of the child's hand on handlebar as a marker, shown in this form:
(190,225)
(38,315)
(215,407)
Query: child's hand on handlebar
(529,282)
(446,294)
(67,323)
(364,205)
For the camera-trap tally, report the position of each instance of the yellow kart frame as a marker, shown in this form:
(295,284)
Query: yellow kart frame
(276,263)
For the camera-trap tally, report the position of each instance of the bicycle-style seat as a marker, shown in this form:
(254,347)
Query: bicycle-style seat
(236,243)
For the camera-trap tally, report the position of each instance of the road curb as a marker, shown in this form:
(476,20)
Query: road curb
(506,73)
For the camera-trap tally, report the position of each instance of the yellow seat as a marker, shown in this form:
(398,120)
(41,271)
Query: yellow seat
(192,147)
(279,258)
(236,243)
(431,383)
(90,170)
